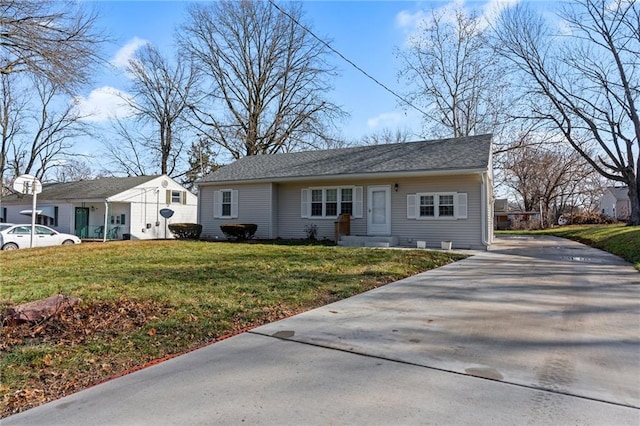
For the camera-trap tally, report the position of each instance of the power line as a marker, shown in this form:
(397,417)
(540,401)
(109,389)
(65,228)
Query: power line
(347,60)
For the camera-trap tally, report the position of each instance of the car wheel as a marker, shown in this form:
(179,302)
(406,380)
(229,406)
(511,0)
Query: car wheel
(67,242)
(10,246)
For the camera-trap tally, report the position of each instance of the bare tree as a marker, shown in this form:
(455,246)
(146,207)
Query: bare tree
(12,108)
(159,97)
(53,128)
(550,177)
(583,82)
(386,136)
(126,155)
(267,77)
(72,170)
(55,40)
(453,74)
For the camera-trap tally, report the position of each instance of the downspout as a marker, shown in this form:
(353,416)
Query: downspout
(106,215)
(483,208)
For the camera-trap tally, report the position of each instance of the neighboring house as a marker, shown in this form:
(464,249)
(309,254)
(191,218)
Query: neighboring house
(396,194)
(505,218)
(132,206)
(615,202)
(501,214)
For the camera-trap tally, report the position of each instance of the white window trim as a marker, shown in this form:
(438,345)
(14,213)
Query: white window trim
(306,201)
(459,206)
(217,204)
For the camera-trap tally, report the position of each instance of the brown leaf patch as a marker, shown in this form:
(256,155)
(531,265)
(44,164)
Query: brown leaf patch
(101,321)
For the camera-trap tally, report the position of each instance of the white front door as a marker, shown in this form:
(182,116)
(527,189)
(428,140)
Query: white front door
(379,210)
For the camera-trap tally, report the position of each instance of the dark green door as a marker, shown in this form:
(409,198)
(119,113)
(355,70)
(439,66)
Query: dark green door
(82,222)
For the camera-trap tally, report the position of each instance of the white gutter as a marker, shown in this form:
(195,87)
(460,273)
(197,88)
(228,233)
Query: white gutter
(483,209)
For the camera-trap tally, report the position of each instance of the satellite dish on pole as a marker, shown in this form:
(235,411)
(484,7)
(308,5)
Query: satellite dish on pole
(166,213)
(27,185)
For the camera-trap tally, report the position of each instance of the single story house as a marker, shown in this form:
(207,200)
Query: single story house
(106,208)
(396,194)
(615,202)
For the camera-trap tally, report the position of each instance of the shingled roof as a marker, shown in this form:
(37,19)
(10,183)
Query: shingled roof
(101,188)
(443,155)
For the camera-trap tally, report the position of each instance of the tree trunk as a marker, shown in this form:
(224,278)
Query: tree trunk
(634,199)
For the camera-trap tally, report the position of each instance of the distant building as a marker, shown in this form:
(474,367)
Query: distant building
(615,202)
(505,218)
(110,208)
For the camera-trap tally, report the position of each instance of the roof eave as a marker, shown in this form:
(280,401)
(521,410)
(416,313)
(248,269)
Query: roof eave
(343,176)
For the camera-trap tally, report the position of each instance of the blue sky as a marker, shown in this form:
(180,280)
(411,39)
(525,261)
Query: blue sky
(366,32)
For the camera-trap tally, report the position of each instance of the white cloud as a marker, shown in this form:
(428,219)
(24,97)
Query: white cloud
(102,104)
(386,119)
(493,8)
(408,20)
(126,52)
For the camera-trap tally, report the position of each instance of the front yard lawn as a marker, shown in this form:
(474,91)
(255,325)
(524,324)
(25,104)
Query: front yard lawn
(145,300)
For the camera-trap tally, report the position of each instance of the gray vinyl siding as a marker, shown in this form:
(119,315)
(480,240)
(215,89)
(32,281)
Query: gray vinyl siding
(254,206)
(273,212)
(292,225)
(275,208)
(464,233)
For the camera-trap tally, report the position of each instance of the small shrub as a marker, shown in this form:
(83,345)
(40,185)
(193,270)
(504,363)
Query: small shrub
(518,224)
(588,218)
(239,231)
(312,231)
(186,231)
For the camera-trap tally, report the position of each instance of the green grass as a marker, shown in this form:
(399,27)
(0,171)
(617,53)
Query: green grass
(144,300)
(621,240)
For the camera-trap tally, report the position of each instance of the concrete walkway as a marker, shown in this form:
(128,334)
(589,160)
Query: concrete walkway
(537,331)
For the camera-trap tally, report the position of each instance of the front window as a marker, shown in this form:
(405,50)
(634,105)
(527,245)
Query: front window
(346,201)
(427,206)
(331,202)
(432,205)
(316,202)
(445,206)
(176,197)
(226,203)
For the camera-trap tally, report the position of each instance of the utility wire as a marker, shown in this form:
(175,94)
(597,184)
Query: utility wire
(347,60)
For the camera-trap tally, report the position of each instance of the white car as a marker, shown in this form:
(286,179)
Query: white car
(19,236)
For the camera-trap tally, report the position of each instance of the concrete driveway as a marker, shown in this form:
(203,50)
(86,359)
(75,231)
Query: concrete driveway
(537,331)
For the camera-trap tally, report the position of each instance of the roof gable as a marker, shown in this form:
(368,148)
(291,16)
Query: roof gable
(443,155)
(619,192)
